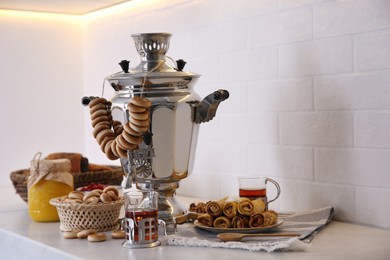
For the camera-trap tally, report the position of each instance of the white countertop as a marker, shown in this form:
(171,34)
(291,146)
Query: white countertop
(22,238)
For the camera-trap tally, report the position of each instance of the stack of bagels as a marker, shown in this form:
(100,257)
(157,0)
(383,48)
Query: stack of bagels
(107,195)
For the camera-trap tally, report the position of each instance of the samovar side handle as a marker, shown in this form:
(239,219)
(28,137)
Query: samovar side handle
(205,110)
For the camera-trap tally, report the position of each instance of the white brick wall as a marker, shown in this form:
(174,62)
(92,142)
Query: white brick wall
(310,94)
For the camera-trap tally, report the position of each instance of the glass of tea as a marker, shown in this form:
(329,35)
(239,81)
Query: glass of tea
(256,188)
(141,219)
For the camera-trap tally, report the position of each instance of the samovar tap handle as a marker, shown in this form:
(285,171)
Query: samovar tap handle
(205,110)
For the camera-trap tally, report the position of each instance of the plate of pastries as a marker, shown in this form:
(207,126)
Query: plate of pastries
(234,214)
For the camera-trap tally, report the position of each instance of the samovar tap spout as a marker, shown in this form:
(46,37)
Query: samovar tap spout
(130,175)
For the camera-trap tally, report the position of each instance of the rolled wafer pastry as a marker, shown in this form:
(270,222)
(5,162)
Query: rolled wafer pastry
(205,220)
(199,207)
(221,222)
(258,206)
(240,221)
(215,207)
(274,213)
(230,209)
(256,220)
(245,207)
(193,207)
(270,218)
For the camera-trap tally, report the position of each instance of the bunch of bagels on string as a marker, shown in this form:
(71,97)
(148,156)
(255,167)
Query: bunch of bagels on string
(115,138)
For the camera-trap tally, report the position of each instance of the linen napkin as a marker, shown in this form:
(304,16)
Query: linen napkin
(307,223)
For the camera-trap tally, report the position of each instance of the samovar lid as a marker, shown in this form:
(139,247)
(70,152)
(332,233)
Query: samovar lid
(152,48)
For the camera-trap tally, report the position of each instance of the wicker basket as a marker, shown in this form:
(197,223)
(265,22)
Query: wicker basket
(75,216)
(19,180)
(111,177)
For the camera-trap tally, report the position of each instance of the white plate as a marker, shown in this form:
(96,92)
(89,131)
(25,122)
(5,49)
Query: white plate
(238,230)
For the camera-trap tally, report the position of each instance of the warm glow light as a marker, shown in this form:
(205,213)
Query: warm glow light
(39,15)
(119,8)
(114,9)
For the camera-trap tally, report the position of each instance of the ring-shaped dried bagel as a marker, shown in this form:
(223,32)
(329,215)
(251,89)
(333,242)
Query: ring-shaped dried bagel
(100,119)
(124,145)
(101,112)
(104,197)
(131,139)
(118,234)
(116,123)
(114,138)
(127,128)
(92,200)
(70,234)
(137,128)
(97,107)
(112,195)
(85,233)
(113,147)
(140,116)
(76,195)
(135,109)
(110,155)
(100,191)
(122,152)
(103,134)
(111,188)
(100,127)
(97,237)
(140,122)
(108,151)
(96,101)
(91,194)
(128,145)
(105,141)
(118,130)
(140,102)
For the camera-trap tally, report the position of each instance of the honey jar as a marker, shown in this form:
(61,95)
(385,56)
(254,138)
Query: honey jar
(48,179)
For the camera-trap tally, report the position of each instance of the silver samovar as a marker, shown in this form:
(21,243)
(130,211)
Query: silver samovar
(166,154)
